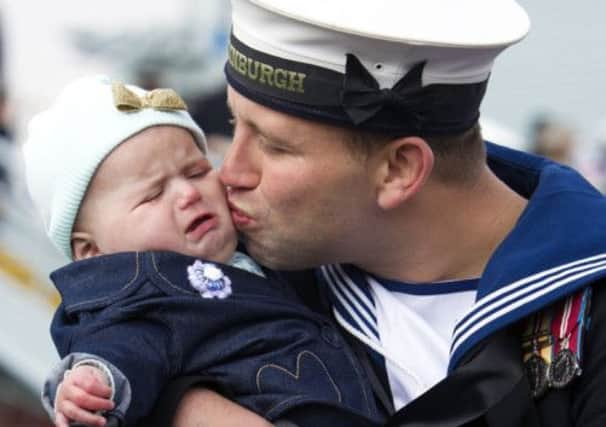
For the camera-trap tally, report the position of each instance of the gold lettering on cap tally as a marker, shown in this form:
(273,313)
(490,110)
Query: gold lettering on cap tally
(266,74)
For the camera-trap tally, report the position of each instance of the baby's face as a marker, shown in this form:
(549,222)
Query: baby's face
(157,191)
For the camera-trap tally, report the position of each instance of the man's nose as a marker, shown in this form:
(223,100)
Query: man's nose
(188,194)
(241,166)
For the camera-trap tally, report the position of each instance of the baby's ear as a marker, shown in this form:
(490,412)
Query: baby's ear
(84,246)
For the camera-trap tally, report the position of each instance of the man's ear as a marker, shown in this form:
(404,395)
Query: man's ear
(84,246)
(406,164)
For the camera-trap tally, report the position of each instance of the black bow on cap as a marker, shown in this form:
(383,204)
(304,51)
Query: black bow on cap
(362,98)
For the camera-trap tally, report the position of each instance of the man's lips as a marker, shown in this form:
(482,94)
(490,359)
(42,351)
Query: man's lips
(239,217)
(200,225)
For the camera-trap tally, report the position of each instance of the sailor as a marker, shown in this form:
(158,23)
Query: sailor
(464,273)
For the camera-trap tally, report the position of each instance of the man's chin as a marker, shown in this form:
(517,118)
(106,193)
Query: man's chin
(262,256)
(260,253)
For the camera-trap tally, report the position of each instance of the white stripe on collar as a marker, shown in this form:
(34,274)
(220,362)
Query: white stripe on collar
(509,298)
(356,304)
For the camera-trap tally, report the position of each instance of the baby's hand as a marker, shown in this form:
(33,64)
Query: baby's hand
(82,393)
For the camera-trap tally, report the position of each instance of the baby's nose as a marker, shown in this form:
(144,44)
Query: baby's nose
(188,195)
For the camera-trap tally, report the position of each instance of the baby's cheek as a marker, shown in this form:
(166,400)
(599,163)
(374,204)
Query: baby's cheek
(164,237)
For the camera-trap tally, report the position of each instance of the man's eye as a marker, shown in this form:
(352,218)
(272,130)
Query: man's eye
(273,148)
(276,149)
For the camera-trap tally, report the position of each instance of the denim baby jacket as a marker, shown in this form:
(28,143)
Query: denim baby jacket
(155,316)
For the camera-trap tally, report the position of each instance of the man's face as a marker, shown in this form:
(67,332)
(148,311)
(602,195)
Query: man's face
(299,196)
(158,191)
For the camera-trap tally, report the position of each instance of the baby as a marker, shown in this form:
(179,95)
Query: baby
(157,289)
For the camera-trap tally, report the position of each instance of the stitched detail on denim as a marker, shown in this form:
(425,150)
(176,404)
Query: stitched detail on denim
(129,283)
(297,373)
(166,279)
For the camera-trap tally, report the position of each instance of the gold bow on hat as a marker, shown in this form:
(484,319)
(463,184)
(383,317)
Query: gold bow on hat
(159,99)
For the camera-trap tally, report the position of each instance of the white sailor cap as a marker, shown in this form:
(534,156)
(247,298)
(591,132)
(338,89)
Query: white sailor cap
(398,66)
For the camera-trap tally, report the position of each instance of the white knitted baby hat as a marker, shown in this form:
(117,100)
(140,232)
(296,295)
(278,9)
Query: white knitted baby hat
(67,143)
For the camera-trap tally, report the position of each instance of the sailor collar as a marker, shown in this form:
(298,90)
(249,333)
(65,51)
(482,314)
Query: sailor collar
(558,246)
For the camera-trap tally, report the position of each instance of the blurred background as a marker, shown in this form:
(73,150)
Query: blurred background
(547,95)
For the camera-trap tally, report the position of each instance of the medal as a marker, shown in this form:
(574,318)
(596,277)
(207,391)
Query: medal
(535,342)
(563,369)
(535,369)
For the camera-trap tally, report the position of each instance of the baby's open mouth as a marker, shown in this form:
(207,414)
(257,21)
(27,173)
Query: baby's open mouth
(197,222)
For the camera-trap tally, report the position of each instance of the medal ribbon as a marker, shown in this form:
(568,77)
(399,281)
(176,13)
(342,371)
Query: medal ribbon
(537,339)
(569,324)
